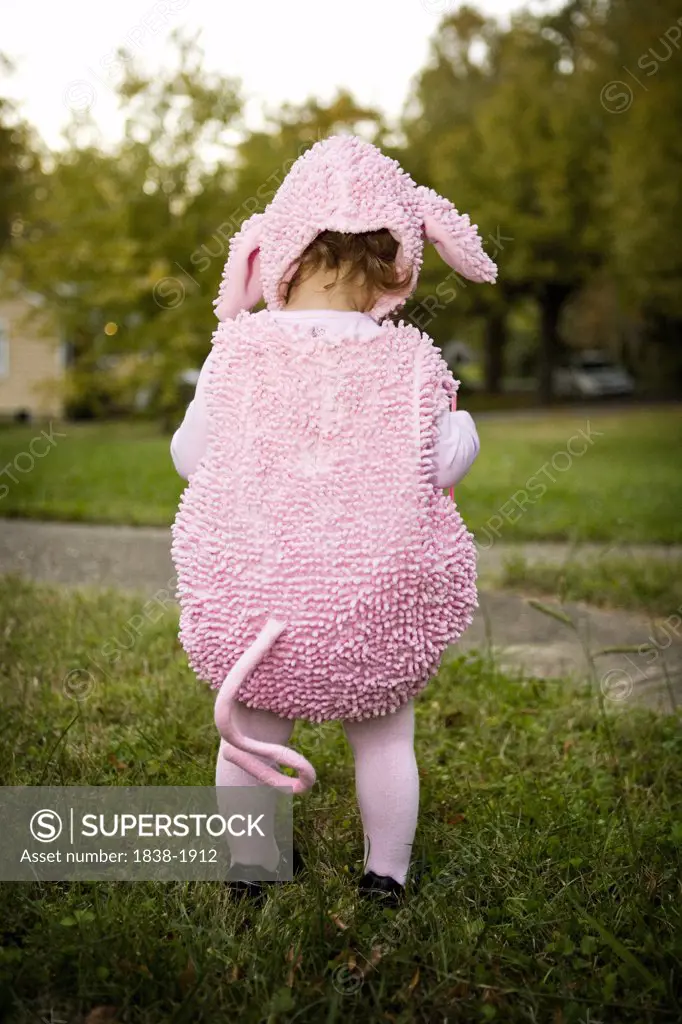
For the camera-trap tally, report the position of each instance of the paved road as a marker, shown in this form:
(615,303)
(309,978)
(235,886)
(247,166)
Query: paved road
(137,559)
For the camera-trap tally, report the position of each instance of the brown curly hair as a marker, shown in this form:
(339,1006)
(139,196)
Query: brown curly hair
(367,257)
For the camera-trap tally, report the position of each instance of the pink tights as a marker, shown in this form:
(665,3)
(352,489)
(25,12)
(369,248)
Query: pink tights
(386,781)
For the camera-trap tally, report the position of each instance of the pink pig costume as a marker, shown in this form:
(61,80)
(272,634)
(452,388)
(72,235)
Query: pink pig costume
(320,575)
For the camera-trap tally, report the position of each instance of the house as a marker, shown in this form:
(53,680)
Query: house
(32,365)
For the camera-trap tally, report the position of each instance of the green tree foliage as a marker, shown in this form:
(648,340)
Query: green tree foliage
(644,100)
(110,231)
(516,145)
(19,165)
(442,149)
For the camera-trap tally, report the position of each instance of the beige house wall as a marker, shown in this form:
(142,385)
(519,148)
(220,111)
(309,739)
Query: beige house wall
(31,370)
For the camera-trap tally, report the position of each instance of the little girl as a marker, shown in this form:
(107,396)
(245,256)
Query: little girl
(321,569)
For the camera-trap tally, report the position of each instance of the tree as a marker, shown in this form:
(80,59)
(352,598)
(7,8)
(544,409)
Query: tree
(508,135)
(109,235)
(441,145)
(642,107)
(549,172)
(19,165)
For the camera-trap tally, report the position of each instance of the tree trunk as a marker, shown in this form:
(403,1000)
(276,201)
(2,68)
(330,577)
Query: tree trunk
(551,302)
(661,370)
(495,343)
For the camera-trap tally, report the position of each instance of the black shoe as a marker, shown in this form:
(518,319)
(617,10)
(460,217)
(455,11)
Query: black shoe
(381,888)
(247,884)
(297,863)
(253,891)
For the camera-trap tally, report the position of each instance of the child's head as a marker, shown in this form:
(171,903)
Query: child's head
(348,211)
(358,267)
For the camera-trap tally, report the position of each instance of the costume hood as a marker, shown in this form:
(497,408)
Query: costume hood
(346,184)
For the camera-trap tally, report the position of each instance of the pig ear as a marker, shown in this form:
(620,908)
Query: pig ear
(455,238)
(241,286)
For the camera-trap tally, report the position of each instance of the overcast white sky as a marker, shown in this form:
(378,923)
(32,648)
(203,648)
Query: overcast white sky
(280,51)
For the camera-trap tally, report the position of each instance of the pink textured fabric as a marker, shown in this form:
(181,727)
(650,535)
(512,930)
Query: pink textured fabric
(321,576)
(457,443)
(346,184)
(352,566)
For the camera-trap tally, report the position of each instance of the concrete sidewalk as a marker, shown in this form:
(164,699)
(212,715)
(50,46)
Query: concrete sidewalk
(519,636)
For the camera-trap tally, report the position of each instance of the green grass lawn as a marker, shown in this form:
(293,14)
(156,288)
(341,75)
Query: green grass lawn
(646,585)
(626,486)
(549,836)
(102,473)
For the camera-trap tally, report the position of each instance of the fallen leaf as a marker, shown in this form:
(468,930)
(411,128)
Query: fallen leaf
(101,1015)
(139,968)
(295,961)
(567,745)
(368,964)
(461,990)
(415,981)
(492,995)
(188,977)
(120,766)
(456,819)
(374,957)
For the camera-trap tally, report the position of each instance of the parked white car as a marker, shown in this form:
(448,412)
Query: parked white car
(593,374)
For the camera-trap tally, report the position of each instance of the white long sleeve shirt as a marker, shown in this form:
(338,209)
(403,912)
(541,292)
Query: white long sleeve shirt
(456,448)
